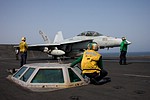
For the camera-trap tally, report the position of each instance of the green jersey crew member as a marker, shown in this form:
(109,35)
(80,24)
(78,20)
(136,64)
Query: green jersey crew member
(91,65)
(123,51)
(23,51)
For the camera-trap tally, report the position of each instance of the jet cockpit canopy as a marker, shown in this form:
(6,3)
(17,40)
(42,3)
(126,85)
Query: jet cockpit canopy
(90,33)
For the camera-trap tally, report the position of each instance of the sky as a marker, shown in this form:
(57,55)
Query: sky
(116,18)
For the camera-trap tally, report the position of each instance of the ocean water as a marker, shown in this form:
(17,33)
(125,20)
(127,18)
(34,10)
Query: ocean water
(116,54)
(129,54)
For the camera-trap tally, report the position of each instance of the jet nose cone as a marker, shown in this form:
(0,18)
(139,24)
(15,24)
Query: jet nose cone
(128,42)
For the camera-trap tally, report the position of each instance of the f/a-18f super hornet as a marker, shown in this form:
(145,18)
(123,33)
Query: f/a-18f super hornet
(74,46)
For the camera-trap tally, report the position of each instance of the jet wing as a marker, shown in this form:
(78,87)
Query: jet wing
(74,46)
(71,41)
(40,47)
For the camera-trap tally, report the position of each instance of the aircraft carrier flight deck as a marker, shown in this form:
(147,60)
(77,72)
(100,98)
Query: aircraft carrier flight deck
(128,82)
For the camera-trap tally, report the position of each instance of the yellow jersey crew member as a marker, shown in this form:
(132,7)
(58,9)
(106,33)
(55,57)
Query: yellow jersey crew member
(23,51)
(92,66)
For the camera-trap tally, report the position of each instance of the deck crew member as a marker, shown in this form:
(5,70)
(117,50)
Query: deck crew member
(91,65)
(123,51)
(23,51)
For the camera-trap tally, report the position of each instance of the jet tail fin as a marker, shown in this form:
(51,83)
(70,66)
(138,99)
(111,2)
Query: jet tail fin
(58,37)
(45,37)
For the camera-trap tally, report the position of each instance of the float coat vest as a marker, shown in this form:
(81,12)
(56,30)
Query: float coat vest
(23,46)
(89,62)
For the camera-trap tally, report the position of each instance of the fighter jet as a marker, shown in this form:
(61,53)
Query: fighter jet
(59,47)
(103,41)
(74,46)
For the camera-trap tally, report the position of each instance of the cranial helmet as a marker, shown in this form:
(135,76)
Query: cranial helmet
(123,38)
(23,38)
(92,46)
(89,46)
